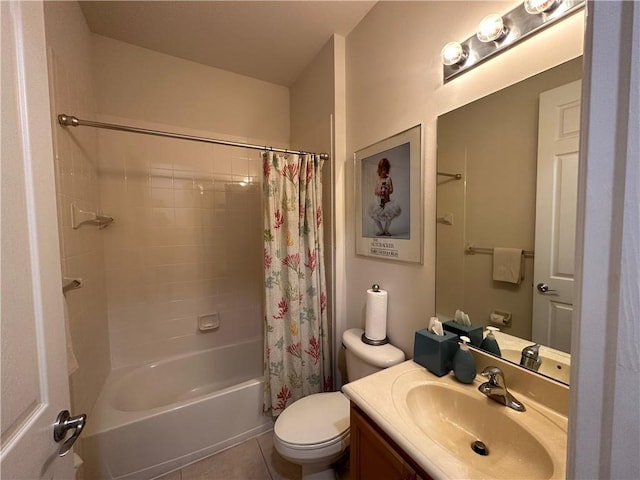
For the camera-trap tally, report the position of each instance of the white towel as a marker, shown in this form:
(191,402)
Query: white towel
(72,362)
(508,265)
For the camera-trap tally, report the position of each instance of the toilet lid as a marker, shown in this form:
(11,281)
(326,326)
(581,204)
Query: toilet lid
(315,419)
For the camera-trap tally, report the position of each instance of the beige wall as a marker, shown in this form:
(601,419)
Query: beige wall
(316,96)
(187,236)
(138,83)
(68,41)
(394,81)
(494,204)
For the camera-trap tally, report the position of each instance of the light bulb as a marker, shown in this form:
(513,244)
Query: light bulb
(491,28)
(453,54)
(535,7)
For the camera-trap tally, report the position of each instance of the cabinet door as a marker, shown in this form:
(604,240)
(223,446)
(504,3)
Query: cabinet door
(372,457)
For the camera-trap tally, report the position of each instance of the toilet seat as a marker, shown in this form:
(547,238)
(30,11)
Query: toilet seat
(314,422)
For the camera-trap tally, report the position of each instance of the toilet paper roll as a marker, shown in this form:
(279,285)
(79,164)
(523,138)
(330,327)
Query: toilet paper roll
(376,316)
(497,319)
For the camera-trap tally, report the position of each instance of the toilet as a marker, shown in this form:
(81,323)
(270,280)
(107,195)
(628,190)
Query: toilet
(314,431)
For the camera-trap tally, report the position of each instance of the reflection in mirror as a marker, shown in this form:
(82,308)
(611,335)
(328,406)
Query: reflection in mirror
(502,200)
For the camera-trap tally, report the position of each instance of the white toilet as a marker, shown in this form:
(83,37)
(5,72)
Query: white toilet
(314,431)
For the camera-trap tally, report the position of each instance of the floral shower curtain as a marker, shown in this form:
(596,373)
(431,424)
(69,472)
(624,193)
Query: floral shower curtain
(297,358)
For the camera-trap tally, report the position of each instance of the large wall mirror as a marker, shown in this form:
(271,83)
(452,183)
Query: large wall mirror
(507,178)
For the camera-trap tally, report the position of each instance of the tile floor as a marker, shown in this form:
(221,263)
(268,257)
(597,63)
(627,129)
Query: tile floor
(255,459)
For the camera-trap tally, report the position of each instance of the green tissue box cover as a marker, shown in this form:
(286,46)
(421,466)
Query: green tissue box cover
(435,352)
(474,332)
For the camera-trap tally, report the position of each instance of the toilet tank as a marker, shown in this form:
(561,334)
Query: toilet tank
(363,359)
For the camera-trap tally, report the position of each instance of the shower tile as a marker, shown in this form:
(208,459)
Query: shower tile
(222,164)
(162,197)
(255,167)
(161,178)
(187,235)
(207,217)
(160,237)
(205,198)
(222,181)
(188,217)
(191,162)
(161,216)
(183,180)
(241,462)
(220,199)
(186,198)
(160,256)
(182,308)
(183,291)
(187,254)
(137,191)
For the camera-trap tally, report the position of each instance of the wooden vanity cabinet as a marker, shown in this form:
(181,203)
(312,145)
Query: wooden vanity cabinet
(374,455)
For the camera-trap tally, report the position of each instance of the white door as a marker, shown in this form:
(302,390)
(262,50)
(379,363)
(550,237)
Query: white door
(556,204)
(33,370)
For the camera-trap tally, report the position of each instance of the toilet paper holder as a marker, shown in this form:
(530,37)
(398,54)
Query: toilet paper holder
(375,288)
(501,318)
(375,343)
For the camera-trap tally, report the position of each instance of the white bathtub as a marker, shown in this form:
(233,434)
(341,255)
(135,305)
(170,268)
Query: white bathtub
(152,419)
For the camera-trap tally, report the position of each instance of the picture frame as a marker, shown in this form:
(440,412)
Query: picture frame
(388,198)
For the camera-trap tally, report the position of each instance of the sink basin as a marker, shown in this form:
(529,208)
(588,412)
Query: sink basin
(523,445)
(550,367)
(455,420)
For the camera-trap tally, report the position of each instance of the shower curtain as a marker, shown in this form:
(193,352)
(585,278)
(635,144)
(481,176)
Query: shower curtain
(297,360)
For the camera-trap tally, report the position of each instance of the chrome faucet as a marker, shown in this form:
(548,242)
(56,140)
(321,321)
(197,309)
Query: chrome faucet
(531,357)
(496,389)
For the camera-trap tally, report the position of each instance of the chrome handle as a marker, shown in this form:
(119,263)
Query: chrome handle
(64,423)
(494,374)
(544,288)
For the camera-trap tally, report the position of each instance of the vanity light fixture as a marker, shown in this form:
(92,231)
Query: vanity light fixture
(492,29)
(535,7)
(454,54)
(497,32)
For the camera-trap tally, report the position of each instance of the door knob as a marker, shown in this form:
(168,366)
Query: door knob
(544,288)
(64,423)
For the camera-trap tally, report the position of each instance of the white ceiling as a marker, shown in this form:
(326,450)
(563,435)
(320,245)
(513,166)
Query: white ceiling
(269,40)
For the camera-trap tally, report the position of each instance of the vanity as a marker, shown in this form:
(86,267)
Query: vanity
(373,454)
(407,423)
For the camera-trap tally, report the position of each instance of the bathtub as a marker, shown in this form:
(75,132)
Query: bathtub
(155,418)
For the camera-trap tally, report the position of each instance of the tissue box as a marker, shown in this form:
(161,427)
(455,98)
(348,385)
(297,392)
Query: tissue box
(474,332)
(435,352)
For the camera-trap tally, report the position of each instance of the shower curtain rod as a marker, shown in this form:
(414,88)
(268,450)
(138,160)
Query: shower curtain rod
(71,121)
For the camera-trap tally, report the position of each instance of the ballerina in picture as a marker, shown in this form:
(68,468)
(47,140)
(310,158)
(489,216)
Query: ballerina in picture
(383,210)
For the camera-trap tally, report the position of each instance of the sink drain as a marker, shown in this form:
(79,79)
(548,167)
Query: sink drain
(480,448)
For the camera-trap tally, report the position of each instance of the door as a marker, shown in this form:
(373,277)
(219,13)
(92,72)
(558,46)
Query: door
(33,370)
(556,204)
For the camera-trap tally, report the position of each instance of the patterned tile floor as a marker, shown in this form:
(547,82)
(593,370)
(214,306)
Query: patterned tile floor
(255,459)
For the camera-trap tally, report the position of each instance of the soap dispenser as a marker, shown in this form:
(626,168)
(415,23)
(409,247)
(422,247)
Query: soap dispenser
(464,365)
(489,343)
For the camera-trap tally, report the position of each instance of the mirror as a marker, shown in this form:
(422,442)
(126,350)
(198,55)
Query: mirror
(493,145)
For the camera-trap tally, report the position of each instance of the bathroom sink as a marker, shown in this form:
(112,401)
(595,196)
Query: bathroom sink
(456,420)
(550,367)
(456,417)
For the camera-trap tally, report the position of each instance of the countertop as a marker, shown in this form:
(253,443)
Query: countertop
(374,394)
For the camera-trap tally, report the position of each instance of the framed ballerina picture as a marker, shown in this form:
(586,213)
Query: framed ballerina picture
(388,189)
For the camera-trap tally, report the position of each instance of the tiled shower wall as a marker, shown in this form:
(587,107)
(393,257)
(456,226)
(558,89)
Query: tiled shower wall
(186,241)
(81,250)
